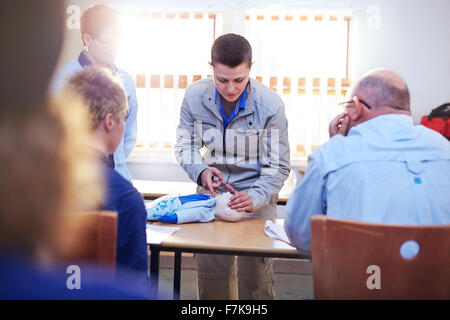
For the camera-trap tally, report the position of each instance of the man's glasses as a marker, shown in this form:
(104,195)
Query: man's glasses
(351,101)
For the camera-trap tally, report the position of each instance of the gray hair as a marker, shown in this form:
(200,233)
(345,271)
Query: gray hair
(380,93)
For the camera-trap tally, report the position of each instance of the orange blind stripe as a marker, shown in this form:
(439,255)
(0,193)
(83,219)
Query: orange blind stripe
(168,81)
(154,81)
(273,83)
(140,81)
(182,81)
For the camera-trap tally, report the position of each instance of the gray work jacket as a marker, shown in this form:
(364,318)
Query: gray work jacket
(252,152)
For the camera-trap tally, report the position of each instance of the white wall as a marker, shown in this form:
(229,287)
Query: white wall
(412,39)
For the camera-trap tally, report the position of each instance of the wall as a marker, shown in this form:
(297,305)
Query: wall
(413,39)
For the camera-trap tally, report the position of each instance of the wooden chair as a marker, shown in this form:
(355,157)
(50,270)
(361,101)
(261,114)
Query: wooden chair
(356,260)
(96,239)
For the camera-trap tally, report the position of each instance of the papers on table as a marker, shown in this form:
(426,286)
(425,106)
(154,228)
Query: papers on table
(157,234)
(275,230)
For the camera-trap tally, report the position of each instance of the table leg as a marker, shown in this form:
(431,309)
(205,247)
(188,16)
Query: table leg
(177,275)
(154,269)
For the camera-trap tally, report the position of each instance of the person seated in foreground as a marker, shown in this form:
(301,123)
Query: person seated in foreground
(45,174)
(377,167)
(107,103)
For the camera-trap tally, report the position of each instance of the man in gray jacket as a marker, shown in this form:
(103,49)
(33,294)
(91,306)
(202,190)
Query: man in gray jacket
(233,137)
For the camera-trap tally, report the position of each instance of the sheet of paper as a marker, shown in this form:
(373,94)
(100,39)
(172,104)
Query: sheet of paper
(276,231)
(157,234)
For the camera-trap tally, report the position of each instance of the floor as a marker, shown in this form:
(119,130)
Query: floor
(293,278)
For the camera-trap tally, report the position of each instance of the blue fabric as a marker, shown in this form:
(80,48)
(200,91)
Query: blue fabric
(169,218)
(130,135)
(386,170)
(241,105)
(131,230)
(197,211)
(193,197)
(182,209)
(163,206)
(23,279)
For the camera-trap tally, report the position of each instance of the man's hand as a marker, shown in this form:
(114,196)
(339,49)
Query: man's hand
(339,125)
(209,182)
(240,201)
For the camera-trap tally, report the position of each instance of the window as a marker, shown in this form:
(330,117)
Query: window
(300,54)
(303,56)
(164,52)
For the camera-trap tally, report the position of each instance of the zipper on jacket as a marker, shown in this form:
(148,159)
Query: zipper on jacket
(225,152)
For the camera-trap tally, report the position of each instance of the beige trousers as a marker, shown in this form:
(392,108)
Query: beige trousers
(224,277)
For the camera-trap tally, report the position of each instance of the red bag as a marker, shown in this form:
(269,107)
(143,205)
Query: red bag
(438,120)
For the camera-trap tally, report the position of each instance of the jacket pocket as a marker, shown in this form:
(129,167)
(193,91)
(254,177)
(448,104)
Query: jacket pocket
(208,132)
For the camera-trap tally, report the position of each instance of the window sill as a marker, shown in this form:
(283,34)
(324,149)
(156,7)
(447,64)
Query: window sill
(154,155)
(165,155)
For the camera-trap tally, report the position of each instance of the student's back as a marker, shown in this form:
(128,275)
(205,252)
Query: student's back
(106,101)
(123,198)
(388,170)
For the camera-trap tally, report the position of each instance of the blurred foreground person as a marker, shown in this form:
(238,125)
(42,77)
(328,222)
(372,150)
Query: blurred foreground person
(45,171)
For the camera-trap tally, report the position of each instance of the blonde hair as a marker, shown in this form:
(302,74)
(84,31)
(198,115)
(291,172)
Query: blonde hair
(101,91)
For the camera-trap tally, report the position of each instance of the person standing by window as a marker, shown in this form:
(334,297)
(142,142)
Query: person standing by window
(100,34)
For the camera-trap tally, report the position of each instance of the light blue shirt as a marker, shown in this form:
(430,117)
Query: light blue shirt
(386,170)
(129,138)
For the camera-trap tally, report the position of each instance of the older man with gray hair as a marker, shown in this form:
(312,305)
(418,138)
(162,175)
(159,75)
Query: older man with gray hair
(377,167)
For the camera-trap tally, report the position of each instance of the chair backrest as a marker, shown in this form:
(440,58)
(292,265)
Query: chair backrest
(356,260)
(96,239)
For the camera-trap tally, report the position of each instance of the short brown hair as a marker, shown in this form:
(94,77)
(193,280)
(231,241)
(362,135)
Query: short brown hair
(102,92)
(231,50)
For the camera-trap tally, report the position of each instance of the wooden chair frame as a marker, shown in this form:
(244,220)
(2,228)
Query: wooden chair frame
(356,260)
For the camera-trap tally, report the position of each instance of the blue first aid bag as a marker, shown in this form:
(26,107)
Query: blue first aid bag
(182,209)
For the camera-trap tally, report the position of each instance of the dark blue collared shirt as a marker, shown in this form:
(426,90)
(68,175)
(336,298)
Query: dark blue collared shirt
(241,106)
(123,198)
(226,121)
(84,62)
